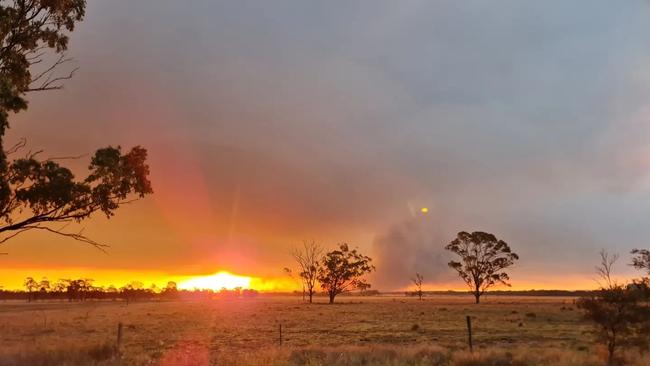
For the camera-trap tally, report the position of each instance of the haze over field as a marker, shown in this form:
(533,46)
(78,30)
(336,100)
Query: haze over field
(268,123)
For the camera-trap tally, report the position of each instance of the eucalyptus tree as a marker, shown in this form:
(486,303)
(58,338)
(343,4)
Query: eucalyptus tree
(342,270)
(41,194)
(483,260)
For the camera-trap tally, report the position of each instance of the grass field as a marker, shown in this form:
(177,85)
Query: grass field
(356,331)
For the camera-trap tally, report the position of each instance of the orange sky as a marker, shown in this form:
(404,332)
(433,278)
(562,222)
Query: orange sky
(118,277)
(270,124)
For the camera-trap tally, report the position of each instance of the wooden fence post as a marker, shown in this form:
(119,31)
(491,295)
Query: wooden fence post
(469,332)
(119,335)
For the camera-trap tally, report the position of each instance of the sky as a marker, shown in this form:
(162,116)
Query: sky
(270,123)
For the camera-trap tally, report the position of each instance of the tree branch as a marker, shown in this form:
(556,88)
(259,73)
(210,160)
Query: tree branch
(76,236)
(17,146)
(51,81)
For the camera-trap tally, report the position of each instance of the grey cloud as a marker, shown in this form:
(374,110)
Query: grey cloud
(522,118)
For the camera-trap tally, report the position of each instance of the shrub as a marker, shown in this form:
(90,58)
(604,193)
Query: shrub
(620,318)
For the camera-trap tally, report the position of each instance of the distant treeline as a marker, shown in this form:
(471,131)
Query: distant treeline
(567,293)
(83,290)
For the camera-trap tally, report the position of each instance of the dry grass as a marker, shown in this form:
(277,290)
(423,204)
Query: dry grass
(358,331)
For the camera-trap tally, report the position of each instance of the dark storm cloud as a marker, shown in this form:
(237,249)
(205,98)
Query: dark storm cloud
(527,119)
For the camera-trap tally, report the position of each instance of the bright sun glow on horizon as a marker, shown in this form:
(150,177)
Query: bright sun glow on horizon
(216,282)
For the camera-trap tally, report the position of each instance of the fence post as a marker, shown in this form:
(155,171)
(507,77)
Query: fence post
(469,332)
(119,335)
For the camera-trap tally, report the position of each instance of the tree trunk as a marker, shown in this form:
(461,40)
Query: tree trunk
(311,295)
(478,297)
(611,348)
(332,296)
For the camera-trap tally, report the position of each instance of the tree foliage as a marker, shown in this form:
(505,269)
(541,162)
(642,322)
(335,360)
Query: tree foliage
(342,270)
(35,193)
(641,260)
(78,289)
(483,259)
(43,192)
(28,30)
(30,285)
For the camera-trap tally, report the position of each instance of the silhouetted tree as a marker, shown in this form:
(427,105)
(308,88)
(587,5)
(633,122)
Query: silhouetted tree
(307,259)
(35,193)
(604,270)
(71,289)
(59,287)
(641,260)
(78,289)
(43,287)
(482,260)
(417,281)
(618,312)
(30,285)
(112,292)
(342,270)
(170,290)
(132,291)
(249,293)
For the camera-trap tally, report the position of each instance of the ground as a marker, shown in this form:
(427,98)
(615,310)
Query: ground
(176,332)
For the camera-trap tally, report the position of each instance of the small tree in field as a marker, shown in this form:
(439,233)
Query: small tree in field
(618,312)
(307,259)
(342,270)
(417,281)
(483,259)
(43,287)
(30,285)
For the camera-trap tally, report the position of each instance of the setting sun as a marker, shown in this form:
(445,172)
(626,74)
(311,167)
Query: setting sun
(216,282)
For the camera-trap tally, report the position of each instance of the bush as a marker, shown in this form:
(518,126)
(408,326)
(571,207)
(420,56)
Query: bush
(620,317)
